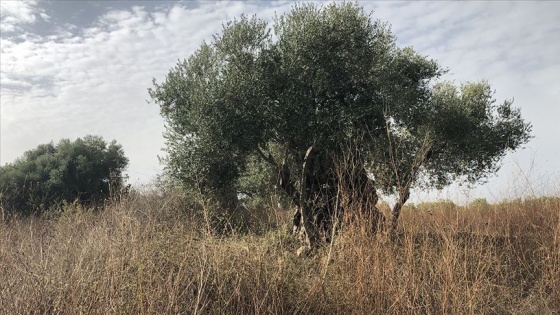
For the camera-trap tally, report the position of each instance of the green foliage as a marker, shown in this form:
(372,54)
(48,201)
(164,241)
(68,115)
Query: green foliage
(443,204)
(479,203)
(332,79)
(85,170)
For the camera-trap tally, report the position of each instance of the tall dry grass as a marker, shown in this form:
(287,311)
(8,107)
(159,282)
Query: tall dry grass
(153,254)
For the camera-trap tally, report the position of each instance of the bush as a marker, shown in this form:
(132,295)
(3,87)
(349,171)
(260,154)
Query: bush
(85,170)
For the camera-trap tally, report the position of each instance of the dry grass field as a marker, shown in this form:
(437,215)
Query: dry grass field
(153,254)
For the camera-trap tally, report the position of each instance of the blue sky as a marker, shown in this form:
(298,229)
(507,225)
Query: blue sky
(72,68)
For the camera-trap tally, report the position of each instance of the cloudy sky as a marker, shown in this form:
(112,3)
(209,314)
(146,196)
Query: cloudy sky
(72,68)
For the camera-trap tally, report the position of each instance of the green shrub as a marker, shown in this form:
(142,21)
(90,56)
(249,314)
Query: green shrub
(85,170)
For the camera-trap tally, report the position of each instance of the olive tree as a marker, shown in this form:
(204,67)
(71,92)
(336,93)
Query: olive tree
(324,98)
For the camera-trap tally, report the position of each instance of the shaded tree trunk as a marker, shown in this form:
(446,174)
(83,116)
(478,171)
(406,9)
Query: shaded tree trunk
(305,203)
(396,211)
(327,195)
(360,199)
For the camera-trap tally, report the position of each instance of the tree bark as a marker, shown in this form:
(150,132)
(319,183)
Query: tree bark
(305,204)
(396,211)
(318,197)
(364,200)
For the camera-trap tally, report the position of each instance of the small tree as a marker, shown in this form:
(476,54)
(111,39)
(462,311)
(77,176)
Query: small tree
(458,134)
(85,170)
(323,87)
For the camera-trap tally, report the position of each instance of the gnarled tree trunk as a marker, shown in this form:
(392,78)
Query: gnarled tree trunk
(326,196)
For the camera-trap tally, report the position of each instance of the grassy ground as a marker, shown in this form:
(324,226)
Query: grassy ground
(151,254)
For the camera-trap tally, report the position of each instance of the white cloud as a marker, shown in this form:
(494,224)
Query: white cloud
(18,13)
(97,82)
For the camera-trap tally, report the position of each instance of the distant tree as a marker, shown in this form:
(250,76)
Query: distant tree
(479,203)
(325,99)
(84,170)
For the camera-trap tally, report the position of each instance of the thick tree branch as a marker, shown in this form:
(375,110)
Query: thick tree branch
(268,158)
(305,205)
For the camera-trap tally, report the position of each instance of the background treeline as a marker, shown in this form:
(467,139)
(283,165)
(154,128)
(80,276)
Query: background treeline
(85,170)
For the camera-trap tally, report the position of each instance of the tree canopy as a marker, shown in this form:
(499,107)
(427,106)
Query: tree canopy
(323,98)
(84,170)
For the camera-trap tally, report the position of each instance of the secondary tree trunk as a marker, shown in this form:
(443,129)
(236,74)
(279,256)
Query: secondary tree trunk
(305,203)
(396,211)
